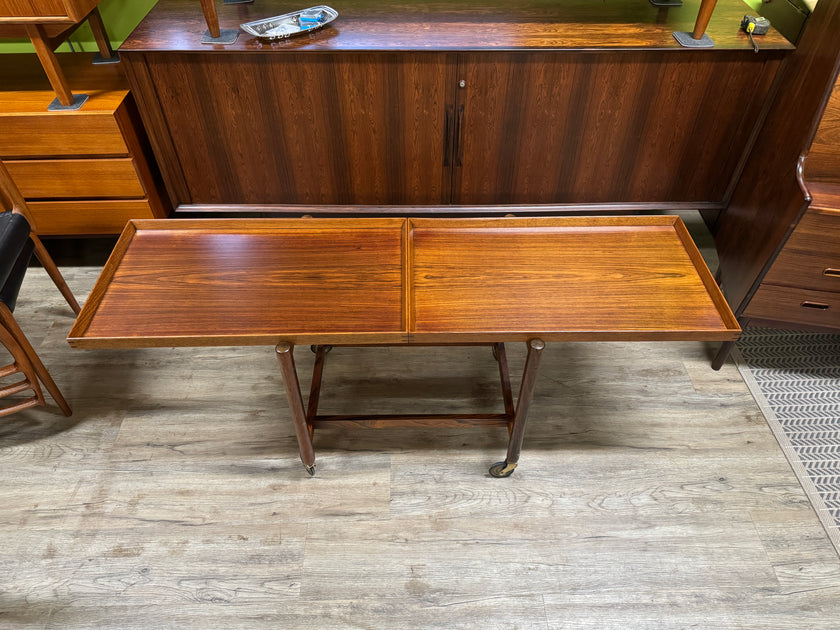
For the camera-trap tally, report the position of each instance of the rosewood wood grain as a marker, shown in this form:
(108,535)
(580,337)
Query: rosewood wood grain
(596,105)
(308,130)
(344,282)
(810,259)
(823,163)
(444,26)
(160,139)
(544,127)
(557,276)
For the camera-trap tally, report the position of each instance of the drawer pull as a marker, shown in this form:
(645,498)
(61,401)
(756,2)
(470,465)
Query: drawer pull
(831,273)
(817,305)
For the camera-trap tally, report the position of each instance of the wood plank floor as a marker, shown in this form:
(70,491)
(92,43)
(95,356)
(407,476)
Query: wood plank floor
(650,494)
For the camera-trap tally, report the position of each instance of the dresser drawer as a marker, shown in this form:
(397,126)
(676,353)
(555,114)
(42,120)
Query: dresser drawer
(800,306)
(76,179)
(811,257)
(27,129)
(88,217)
(61,134)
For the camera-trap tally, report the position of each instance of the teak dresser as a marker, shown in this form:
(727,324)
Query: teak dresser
(82,172)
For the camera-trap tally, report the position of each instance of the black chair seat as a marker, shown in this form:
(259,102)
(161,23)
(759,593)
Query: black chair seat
(15,253)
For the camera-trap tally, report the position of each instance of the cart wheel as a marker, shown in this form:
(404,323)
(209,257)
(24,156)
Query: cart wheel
(310,469)
(502,469)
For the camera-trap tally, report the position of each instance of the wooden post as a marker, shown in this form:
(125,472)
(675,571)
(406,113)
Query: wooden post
(703,17)
(103,43)
(211,17)
(46,56)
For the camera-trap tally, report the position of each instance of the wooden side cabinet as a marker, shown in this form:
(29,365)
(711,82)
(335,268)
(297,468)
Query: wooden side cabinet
(81,172)
(779,239)
(591,105)
(802,285)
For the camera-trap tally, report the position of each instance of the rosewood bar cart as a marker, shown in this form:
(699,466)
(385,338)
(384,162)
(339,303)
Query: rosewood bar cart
(398,281)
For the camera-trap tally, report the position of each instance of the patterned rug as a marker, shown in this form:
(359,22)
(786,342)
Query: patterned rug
(795,378)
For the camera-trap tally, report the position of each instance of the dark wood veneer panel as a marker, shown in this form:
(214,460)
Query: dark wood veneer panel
(255,281)
(306,129)
(823,163)
(562,127)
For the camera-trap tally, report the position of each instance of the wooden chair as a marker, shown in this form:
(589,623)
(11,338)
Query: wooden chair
(17,244)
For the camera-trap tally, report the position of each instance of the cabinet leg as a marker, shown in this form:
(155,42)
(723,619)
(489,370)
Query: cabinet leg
(722,354)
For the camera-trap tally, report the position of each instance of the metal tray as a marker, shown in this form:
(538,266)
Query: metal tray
(294,23)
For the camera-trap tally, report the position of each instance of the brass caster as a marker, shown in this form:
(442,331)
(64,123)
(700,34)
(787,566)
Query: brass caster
(502,469)
(310,469)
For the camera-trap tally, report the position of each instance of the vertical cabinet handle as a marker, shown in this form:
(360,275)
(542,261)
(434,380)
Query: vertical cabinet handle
(447,136)
(459,146)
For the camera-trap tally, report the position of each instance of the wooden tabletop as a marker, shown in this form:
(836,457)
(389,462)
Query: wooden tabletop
(223,282)
(177,25)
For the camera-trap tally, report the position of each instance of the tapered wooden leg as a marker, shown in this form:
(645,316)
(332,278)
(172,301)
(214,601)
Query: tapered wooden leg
(50,267)
(703,17)
(46,56)
(12,326)
(523,403)
(103,42)
(285,354)
(211,17)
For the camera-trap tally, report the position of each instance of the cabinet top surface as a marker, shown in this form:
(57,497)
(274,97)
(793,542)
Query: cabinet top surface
(465,25)
(257,281)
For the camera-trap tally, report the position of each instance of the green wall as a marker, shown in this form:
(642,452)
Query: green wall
(120,17)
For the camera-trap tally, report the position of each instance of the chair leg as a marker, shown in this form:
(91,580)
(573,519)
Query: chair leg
(46,260)
(20,365)
(8,320)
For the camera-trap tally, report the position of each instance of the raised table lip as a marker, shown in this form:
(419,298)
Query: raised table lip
(446,26)
(729,329)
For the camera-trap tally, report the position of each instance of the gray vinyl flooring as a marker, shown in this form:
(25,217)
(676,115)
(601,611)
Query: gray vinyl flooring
(650,494)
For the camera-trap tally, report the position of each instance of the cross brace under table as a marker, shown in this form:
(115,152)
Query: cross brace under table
(307,419)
